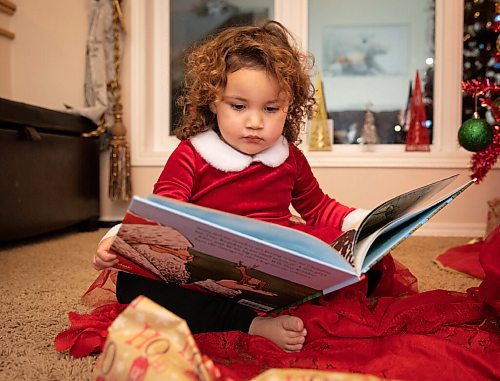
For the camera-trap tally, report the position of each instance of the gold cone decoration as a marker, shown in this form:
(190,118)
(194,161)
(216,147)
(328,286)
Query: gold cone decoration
(319,136)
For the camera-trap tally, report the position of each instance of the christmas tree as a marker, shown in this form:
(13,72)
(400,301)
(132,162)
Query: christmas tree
(417,138)
(480,56)
(480,131)
(369,133)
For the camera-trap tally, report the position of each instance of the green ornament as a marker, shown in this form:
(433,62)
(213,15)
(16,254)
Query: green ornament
(475,135)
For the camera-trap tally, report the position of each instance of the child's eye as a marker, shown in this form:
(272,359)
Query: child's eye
(237,106)
(271,109)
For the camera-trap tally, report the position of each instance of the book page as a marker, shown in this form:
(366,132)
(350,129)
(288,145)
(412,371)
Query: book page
(197,253)
(287,239)
(399,205)
(371,248)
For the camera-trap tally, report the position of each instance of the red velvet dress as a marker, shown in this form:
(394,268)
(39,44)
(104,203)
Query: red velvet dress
(257,191)
(397,333)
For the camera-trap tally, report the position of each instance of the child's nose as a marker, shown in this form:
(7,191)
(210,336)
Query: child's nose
(255,120)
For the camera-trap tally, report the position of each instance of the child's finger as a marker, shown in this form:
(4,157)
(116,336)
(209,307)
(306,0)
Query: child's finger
(106,255)
(105,244)
(100,264)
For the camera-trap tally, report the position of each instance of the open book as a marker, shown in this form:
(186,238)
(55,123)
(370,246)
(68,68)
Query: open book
(259,264)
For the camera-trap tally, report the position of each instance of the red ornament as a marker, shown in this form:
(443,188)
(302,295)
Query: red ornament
(417,138)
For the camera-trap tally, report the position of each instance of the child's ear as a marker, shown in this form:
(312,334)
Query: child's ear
(213,108)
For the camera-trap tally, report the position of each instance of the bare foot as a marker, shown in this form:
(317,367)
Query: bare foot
(286,331)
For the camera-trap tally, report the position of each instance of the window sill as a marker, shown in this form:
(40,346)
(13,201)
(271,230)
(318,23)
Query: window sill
(385,159)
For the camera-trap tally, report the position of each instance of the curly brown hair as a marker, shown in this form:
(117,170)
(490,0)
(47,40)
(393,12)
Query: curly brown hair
(270,47)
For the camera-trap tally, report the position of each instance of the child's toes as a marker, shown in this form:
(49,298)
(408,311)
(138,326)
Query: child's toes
(293,347)
(294,336)
(293,323)
(296,340)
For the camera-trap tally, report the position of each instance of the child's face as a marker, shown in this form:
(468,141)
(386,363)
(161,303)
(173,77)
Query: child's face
(251,111)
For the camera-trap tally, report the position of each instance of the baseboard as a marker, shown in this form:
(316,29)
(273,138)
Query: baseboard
(451,229)
(108,224)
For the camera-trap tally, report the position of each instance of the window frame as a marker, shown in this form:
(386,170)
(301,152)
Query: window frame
(150,92)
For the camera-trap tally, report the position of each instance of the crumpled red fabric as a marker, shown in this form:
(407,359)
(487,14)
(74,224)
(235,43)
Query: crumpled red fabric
(428,336)
(489,257)
(102,290)
(395,333)
(463,259)
(434,335)
(88,332)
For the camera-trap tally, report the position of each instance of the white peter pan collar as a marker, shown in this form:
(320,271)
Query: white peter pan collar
(222,156)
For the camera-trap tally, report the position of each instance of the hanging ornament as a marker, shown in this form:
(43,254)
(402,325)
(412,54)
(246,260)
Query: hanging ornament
(475,134)
(417,138)
(482,160)
(319,137)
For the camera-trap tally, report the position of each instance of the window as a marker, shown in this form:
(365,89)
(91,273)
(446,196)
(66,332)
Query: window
(191,20)
(151,87)
(368,62)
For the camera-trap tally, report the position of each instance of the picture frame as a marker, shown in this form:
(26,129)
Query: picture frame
(365,50)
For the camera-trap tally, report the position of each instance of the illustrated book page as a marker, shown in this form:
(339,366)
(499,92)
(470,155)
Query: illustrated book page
(259,264)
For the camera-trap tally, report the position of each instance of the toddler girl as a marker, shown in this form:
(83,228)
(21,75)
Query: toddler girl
(247,94)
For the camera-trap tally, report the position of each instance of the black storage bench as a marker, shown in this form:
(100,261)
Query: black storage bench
(49,172)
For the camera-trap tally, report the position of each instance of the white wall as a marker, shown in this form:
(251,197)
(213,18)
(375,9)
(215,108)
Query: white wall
(47,57)
(366,188)
(5,56)
(45,66)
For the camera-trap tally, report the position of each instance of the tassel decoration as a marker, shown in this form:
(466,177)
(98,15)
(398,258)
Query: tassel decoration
(120,185)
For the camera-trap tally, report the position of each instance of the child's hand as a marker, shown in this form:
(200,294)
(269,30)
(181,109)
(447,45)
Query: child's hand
(104,257)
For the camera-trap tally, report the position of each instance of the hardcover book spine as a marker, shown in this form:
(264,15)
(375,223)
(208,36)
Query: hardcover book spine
(299,302)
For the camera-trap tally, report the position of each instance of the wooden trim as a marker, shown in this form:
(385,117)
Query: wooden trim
(8,4)
(150,150)
(7,33)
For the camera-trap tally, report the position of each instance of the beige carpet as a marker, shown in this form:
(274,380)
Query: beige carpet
(43,279)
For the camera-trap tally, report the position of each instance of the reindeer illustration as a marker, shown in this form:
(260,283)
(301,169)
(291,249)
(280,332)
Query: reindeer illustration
(247,279)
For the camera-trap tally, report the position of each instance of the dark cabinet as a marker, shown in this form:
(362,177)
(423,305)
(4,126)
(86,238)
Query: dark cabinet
(49,173)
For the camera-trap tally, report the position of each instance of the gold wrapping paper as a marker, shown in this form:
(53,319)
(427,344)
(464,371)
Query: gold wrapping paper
(147,342)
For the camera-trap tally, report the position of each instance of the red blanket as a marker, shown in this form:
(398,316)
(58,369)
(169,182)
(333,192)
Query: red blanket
(464,259)
(396,334)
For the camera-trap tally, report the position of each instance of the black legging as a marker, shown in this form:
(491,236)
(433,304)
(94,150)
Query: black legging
(202,312)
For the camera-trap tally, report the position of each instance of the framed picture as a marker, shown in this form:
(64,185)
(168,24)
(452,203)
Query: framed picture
(365,50)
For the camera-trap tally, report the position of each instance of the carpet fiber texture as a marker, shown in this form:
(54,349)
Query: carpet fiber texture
(42,280)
